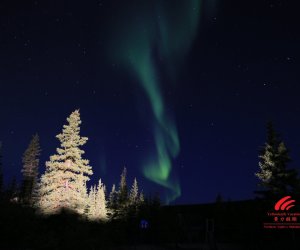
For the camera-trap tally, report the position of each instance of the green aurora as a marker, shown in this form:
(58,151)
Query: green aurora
(152,30)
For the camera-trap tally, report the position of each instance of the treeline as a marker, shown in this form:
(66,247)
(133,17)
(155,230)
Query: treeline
(63,185)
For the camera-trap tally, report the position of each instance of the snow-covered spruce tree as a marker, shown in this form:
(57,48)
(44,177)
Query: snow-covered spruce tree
(30,171)
(101,206)
(63,185)
(134,193)
(276,179)
(91,208)
(267,156)
(97,209)
(141,197)
(134,202)
(266,164)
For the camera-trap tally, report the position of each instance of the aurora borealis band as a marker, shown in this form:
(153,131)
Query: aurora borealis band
(144,40)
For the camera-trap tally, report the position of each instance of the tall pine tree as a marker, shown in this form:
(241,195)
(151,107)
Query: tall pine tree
(134,193)
(275,178)
(30,169)
(101,206)
(63,185)
(91,207)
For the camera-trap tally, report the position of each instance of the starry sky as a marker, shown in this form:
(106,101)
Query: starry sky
(178,92)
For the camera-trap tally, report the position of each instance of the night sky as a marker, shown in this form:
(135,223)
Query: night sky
(156,82)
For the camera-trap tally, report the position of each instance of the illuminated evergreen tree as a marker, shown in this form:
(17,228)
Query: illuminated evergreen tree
(134,193)
(63,185)
(135,201)
(268,156)
(101,206)
(91,210)
(97,203)
(30,162)
(141,198)
(276,179)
